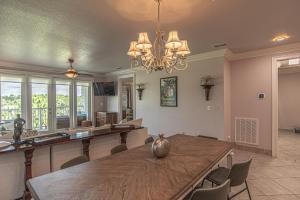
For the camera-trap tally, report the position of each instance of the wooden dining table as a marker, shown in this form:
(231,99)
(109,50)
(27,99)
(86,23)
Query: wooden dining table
(136,174)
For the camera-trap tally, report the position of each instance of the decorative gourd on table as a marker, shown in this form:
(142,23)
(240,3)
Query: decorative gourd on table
(161,147)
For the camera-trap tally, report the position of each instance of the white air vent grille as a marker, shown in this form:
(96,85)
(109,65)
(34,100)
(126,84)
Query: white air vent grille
(246,130)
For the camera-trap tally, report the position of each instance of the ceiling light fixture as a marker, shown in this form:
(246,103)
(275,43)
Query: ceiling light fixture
(281,37)
(162,55)
(71,73)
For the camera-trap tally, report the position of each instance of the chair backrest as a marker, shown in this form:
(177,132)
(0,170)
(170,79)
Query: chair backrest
(149,140)
(118,149)
(75,161)
(207,137)
(216,193)
(239,173)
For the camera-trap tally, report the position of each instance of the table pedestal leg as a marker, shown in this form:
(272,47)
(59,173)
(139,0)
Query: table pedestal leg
(28,172)
(123,137)
(86,147)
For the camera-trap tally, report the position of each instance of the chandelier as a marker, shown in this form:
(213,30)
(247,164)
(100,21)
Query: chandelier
(162,55)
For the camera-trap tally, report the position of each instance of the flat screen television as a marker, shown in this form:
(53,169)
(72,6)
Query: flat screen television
(104,88)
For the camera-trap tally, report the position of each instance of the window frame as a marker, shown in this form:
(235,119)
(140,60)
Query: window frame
(23,99)
(26,97)
(89,114)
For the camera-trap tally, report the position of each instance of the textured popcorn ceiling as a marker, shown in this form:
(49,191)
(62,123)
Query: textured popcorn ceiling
(97,33)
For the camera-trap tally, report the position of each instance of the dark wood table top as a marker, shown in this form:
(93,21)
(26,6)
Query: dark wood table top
(134,174)
(79,135)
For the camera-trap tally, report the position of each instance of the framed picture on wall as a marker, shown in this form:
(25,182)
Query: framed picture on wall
(168,92)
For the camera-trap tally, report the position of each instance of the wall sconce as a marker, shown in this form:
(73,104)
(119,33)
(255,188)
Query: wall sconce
(140,90)
(207,83)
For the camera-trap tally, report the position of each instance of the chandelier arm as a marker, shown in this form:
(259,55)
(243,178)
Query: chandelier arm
(173,62)
(147,63)
(183,65)
(134,63)
(169,70)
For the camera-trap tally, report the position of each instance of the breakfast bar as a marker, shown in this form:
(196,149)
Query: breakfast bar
(85,137)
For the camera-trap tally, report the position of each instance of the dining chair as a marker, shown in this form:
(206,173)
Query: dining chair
(75,161)
(237,175)
(207,137)
(149,140)
(118,149)
(217,193)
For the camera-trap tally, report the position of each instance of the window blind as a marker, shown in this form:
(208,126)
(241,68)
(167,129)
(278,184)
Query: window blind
(11,78)
(39,80)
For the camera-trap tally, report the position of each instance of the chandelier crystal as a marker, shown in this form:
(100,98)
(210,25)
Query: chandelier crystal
(162,55)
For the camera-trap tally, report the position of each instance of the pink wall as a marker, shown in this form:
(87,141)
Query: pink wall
(248,78)
(289,101)
(227,101)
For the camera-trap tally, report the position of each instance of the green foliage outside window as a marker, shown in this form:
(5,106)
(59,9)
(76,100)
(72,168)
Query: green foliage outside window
(11,106)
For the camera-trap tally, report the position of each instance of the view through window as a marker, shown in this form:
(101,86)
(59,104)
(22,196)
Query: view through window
(11,100)
(62,104)
(39,103)
(82,90)
(45,103)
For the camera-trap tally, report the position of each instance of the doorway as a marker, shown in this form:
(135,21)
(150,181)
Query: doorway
(285,74)
(126,99)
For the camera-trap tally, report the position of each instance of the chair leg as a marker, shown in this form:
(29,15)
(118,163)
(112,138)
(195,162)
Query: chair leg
(248,190)
(236,194)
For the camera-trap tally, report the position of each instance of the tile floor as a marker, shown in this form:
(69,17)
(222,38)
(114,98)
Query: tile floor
(274,178)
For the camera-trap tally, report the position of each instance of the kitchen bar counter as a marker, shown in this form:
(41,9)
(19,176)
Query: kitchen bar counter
(84,136)
(80,135)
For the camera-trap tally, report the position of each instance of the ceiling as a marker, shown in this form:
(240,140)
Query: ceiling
(97,33)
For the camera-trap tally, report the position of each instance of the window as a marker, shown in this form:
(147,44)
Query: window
(11,98)
(62,104)
(83,101)
(40,103)
(46,103)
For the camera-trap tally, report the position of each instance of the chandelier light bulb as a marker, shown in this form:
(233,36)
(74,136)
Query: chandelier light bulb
(173,40)
(143,41)
(184,49)
(133,51)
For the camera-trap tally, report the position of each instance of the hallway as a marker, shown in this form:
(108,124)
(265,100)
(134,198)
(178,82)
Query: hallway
(274,178)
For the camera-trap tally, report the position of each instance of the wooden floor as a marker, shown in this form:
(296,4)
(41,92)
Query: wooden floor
(274,178)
